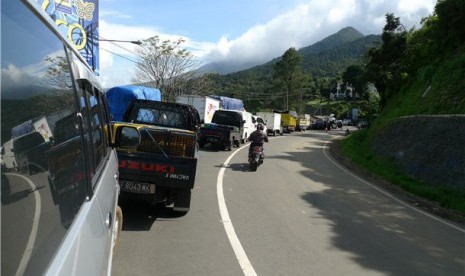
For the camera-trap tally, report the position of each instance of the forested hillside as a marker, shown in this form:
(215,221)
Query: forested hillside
(416,142)
(327,58)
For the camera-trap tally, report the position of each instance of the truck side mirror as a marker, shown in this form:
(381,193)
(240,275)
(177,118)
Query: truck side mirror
(127,137)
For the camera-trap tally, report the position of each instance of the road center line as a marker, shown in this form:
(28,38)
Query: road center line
(227,223)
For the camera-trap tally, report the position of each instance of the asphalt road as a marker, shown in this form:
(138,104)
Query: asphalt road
(299,214)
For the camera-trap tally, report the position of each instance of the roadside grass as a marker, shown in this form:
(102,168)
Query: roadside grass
(437,89)
(357,148)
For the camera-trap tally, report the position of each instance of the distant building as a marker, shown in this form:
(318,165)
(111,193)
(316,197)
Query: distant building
(344,92)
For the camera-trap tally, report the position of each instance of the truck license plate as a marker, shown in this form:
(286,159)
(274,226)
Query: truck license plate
(135,187)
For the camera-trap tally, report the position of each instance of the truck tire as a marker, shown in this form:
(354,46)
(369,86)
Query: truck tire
(117,228)
(182,201)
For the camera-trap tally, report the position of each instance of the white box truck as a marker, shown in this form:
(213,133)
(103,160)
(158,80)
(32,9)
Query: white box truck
(205,105)
(273,122)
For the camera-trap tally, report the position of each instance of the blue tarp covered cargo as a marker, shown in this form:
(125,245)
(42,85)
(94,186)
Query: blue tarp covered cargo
(120,97)
(229,103)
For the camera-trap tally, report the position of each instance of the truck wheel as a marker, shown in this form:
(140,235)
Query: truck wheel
(182,201)
(117,228)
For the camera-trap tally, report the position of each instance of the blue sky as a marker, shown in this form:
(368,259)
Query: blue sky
(250,31)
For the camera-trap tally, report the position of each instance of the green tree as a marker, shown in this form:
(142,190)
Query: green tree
(451,23)
(324,87)
(355,76)
(288,72)
(165,65)
(385,67)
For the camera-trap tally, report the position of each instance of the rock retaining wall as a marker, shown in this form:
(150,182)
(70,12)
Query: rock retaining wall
(430,148)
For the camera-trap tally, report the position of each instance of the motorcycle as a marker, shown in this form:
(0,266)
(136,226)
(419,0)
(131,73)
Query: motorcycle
(256,158)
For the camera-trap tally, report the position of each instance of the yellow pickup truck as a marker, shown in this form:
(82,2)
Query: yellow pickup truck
(162,169)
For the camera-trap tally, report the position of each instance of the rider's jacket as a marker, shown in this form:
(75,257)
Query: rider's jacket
(258,137)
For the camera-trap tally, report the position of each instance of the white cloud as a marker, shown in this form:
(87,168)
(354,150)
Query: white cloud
(342,11)
(411,11)
(312,21)
(307,23)
(409,7)
(300,27)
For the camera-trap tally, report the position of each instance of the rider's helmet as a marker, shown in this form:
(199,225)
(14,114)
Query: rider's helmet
(260,127)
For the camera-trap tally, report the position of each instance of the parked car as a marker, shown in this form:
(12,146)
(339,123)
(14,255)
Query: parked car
(347,122)
(64,218)
(319,124)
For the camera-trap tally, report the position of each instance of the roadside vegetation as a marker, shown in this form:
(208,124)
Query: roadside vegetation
(358,148)
(425,76)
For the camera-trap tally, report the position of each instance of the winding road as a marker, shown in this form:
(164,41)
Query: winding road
(301,213)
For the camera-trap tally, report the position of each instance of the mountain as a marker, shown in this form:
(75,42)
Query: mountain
(329,57)
(326,58)
(224,67)
(345,35)
(331,62)
(348,42)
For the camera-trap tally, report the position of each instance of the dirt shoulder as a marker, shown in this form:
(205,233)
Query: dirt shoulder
(426,205)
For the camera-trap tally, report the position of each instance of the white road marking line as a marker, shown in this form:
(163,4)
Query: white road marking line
(325,149)
(241,256)
(35,225)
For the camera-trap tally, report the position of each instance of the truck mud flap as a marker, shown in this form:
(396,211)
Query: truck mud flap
(182,200)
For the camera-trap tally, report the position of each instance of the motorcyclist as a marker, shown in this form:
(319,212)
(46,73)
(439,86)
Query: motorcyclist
(257,138)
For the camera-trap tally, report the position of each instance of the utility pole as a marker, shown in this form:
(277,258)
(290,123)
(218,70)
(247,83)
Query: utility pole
(287,100)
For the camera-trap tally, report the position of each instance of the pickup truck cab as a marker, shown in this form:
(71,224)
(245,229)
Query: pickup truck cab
(228,128)
(161,170)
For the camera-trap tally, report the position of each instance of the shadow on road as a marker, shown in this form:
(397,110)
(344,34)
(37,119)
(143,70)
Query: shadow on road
(239,167)
(140,215)
(362,222)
